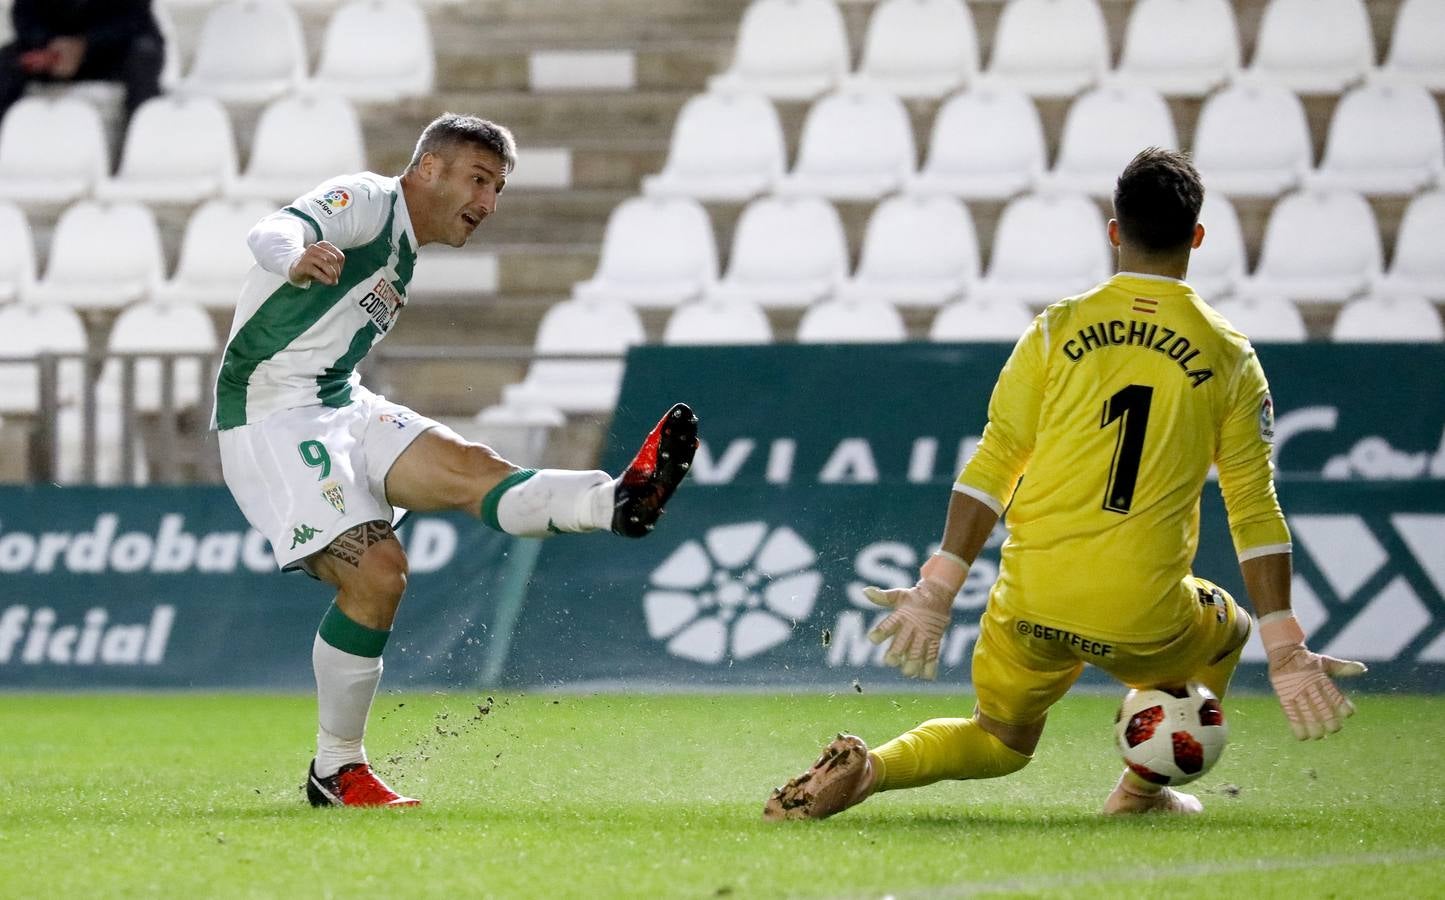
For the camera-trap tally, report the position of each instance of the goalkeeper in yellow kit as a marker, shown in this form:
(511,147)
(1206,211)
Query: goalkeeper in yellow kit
(1101,430)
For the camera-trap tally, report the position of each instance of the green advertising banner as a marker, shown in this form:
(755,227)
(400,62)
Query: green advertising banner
(825,469)
(168,587)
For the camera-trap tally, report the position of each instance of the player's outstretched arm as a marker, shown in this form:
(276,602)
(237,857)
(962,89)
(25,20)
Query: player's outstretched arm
(921,613)
(1302,679)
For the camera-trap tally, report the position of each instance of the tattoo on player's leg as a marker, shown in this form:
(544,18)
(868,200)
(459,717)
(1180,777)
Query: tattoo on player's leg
(352,543)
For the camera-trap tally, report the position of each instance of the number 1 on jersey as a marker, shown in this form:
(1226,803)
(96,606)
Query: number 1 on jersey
(1131,405)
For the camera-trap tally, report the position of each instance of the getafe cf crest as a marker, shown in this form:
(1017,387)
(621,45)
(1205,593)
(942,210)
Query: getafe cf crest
(333,201)
(331,490)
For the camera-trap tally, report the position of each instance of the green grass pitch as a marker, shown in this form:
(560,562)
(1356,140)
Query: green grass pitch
(620,795)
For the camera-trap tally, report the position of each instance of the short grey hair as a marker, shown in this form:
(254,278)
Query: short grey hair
(450,130)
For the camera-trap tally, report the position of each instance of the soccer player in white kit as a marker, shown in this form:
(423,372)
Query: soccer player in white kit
(317,462)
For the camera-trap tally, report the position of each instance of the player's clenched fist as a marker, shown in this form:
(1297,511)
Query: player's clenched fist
(322,261)
(920,616)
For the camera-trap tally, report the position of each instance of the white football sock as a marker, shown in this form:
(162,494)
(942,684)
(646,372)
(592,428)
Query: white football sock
(557,500)
(345,686)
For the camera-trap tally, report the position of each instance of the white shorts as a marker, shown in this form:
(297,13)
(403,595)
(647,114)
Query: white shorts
(304,476)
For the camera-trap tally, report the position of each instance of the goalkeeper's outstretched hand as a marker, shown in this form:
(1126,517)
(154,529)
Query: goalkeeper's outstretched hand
(920,617)
(1303,680)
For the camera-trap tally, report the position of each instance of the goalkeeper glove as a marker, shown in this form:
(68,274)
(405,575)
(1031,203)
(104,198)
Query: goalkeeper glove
(1302,679)
(920,615)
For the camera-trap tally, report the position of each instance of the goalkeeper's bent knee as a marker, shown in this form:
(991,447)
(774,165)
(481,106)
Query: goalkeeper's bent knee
(939,749)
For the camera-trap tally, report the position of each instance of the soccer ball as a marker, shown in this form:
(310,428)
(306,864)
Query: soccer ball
(1171,735)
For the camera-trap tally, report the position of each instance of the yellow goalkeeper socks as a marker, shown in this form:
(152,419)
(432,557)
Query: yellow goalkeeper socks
(943,748)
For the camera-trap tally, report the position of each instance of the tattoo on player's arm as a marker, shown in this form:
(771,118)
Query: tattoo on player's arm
(352,543)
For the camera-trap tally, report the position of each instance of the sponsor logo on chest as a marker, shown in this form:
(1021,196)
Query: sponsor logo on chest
(382,303)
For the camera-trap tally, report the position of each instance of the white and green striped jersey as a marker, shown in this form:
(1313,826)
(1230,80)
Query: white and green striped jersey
(296,346)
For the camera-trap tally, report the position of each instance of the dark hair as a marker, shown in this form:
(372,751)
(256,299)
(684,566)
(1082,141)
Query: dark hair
(449,130)
(1157,200)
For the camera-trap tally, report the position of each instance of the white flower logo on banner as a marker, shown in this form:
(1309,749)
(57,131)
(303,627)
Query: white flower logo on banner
(739,591)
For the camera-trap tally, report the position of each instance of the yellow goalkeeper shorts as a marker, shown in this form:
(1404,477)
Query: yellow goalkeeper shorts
(1021,667)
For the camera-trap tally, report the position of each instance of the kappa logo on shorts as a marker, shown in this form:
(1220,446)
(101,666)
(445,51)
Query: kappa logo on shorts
(331,490)
(333,201)
(301,534)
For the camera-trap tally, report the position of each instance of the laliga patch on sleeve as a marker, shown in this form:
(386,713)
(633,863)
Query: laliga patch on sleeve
(1266,419)
(335,200)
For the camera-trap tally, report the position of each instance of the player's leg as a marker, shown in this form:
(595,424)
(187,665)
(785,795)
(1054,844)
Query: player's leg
(440,470)
(1207,652)
(369,569)
(1016,684)
(1016,679)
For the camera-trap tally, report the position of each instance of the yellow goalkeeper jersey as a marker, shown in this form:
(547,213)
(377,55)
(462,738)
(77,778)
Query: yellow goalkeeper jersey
(1101,431)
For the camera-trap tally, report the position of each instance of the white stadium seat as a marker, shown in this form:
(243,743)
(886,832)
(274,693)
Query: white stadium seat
(1392,318)
(980,319)
(249,51)
(1104,129)
(578,386)
(171,66)
(1181,48)
(1048,246)
(1318,246)
(786,252)
(17,252)
(987,144)
(214,254)
(102,256)
(1384,139)
(28,330)
(300,142)
(920,48)
(351,66)
(1417,44)
(1314,46)
(177,150)
(656,252)
(1221,262)
(788,49)
(718,322)
(918,250)
(1252,140)
(725,146)
(1418,267)
(851,321)
(51,151)
(1264,320)
(159,327)
(834,162)
(1050,48)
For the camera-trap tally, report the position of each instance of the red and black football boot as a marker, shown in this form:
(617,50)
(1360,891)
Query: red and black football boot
(655,473)
(353,785)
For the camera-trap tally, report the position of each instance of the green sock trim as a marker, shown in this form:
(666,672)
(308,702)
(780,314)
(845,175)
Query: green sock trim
(349,636)
(494,497)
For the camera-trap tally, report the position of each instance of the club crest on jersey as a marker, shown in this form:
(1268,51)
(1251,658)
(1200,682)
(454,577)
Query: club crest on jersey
(331,490)
(1266,419)
(333,201)
(382,303)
